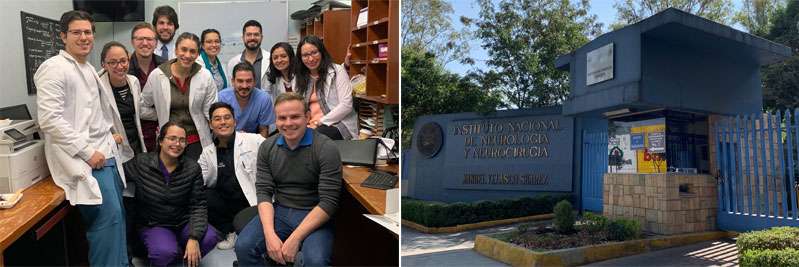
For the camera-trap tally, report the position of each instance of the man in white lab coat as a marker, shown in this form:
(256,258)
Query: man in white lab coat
(77,118)
(228,168)
(251,35)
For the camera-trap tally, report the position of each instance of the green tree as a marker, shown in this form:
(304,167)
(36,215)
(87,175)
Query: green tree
(523,38)
(757,15)
(781,80)
(427,88)
(632,11)
(426,26)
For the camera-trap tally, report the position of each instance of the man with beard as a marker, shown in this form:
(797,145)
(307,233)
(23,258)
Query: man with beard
(253,108)
(252,34)
(165,20)
(142,62)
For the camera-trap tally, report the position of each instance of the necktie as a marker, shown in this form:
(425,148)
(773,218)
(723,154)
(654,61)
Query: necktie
(164,52)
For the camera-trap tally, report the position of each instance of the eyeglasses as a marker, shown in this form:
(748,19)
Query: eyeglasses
(77,33)
(175,139)
(114,64)
(221,118)
(142,39)
(311,54)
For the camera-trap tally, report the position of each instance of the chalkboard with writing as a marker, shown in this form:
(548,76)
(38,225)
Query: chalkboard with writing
(40,41)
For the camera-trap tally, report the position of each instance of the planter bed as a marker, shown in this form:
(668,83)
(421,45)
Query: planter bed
(499,248)
(473,226)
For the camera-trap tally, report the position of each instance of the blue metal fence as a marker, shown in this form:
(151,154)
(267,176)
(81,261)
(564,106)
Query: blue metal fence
(757,161)
(594,166)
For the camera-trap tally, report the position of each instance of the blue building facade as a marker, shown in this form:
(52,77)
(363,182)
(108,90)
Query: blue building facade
(672,66)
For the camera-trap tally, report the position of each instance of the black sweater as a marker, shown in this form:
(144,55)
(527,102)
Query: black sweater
(180,201)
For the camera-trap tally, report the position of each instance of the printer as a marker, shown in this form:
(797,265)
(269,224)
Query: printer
(22,161)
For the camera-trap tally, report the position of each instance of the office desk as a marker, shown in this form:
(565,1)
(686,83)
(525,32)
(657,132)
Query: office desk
(374,200)
(358,240)
(37,201)
(24,228)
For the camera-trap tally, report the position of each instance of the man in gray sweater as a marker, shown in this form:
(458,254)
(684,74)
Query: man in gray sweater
(301,170)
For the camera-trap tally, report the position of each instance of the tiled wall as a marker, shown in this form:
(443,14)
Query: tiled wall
(656,202)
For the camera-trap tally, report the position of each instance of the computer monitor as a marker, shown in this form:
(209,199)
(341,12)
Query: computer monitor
(358,152)
(18,112)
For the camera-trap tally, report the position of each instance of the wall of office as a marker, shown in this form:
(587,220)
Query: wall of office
(12,70)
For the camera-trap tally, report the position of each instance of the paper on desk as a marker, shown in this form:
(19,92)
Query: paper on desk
(388,221)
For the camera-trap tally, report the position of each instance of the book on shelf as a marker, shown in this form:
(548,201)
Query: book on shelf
(382,51)
(362,17)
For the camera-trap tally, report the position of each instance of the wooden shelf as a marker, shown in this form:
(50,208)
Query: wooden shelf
(361,44)
(378,99)
(379,21)
(332,27)
(381,41)
(382,73)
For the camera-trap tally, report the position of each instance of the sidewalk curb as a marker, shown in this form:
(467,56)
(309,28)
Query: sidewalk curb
(473,226)
(518,256)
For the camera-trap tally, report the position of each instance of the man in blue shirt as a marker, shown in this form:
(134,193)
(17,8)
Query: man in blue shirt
(253,108)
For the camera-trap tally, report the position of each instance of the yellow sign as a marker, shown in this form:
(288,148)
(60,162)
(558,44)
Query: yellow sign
(650,162)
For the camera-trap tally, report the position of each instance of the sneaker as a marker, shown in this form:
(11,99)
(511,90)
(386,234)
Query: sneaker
(228,242)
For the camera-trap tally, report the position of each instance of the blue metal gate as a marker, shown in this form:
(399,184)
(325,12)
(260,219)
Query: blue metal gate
(594,166)
(757,163)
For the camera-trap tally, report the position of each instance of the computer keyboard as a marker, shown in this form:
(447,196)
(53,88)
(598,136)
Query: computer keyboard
(380,180)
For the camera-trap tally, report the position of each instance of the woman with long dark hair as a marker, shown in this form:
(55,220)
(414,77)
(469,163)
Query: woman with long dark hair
(327,90)
(280,78)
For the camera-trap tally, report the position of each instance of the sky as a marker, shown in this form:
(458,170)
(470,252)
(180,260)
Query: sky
(603,9)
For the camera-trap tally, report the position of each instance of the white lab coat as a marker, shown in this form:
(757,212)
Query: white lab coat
(135,90)
(156,100)
(277,88)
(337,103)
(63,118)
(237,59)
(245,158)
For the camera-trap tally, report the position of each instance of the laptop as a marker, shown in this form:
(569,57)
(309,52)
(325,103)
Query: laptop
(358,152)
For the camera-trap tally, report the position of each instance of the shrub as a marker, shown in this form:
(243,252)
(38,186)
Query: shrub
(770,257)
(439,214)
(624,229)
(564,217)
(594,223)
(774,238)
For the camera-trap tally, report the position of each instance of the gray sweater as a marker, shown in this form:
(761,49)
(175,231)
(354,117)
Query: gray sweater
(301,178)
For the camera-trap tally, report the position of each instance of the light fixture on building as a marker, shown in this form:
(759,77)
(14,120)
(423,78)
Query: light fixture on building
(616,112)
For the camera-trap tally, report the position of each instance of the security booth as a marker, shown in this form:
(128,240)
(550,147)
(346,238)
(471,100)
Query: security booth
(652,92)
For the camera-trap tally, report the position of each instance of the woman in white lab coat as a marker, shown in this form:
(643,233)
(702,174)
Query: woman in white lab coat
(182,90)
(327,90)
(280,78)
(127,93)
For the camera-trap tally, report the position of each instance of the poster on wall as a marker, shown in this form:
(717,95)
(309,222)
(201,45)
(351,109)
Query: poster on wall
(650,161)
(656,141)
(621,157)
